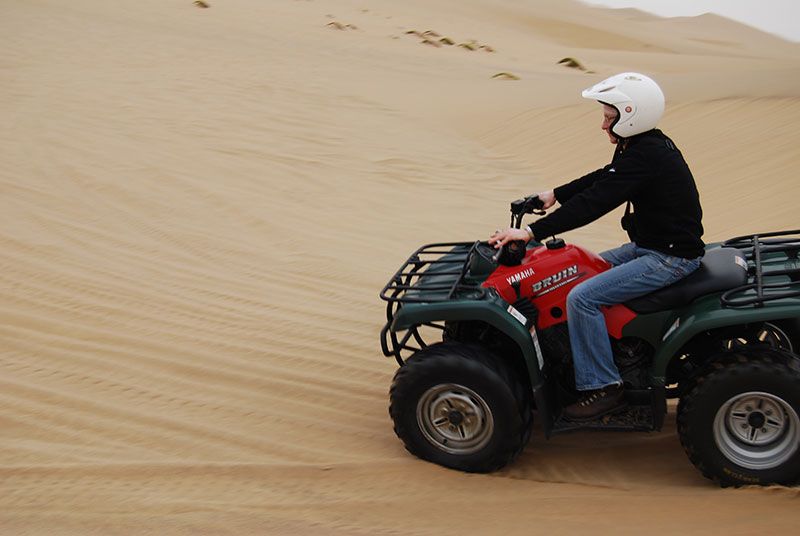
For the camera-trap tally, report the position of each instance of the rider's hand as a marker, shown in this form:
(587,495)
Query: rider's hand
(501,238)
(548,198)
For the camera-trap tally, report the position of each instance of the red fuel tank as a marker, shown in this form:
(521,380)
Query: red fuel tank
(547,275)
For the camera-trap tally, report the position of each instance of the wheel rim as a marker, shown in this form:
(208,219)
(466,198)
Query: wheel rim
(455,419)
(757,430)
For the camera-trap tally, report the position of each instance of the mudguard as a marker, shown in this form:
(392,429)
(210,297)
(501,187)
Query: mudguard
(670,331)
(492,310)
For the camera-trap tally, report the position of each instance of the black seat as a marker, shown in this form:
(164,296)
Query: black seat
(721,269)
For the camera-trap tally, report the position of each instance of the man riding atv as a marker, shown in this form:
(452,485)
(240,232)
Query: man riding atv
(648,173)
(488,334)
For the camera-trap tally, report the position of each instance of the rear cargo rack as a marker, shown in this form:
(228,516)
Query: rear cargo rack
(433,273)
(773,268)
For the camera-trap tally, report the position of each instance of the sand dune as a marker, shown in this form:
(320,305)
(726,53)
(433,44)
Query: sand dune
(199,207)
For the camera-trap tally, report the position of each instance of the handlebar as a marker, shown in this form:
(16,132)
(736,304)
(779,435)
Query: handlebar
(530,205)
(511,253)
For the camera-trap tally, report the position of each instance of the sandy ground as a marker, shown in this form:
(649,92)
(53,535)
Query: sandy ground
(198,208)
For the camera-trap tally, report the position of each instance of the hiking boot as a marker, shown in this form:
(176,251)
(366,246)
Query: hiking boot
(596,403)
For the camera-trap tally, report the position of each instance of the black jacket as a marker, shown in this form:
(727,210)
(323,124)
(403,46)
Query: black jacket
(652,175)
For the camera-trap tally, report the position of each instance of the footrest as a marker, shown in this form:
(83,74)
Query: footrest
(632,418)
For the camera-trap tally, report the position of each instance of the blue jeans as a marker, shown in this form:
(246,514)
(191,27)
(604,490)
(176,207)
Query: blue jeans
(635,272)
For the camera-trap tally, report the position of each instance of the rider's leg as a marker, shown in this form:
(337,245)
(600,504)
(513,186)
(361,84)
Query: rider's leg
(591,348)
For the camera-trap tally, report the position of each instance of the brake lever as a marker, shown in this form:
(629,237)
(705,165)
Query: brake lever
(499,250)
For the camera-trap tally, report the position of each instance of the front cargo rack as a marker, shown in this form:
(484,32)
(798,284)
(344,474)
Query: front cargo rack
(773,268)
(433,273)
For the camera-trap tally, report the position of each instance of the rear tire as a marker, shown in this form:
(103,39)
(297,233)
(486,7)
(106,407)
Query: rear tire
(739,419)
(459,406)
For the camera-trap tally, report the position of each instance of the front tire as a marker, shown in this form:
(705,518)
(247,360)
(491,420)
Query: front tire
(739,421)
(461,407)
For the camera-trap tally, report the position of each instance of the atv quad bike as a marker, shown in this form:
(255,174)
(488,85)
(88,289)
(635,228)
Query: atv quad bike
(481,339)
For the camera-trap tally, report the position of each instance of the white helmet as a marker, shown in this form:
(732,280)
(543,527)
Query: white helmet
(637,98)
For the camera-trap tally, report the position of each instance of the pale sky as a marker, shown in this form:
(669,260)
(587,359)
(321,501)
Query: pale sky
(780,17)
